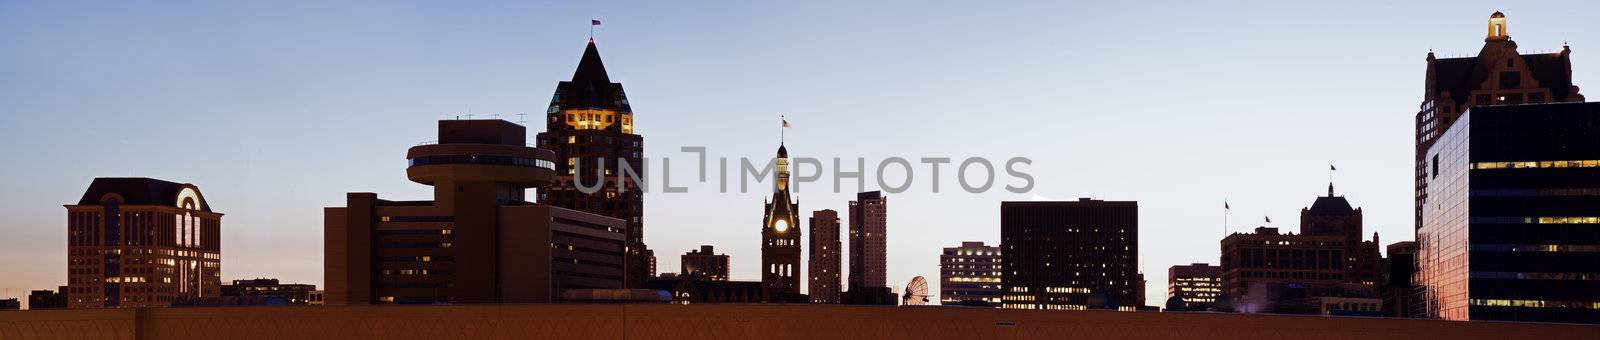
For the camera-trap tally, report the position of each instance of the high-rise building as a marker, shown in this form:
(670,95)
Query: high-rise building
(141,242)
(1197,285)
(1498,75)
(1272,272)
(1509,225)
(969,275)
(1396,287)
(780,239)
(869,240)
(825,262)
(590,127)
(47,299)
(650,262)
(1071,255)
(704,264)
(292,293)
(478,240)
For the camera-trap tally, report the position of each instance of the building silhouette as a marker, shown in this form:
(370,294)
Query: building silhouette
(292,293)
(704,264)
(590,127)
(1509,225)
(1196,285)
(141,242)
(1498,75)
(869,229)
(969,275)
(825,261)
(1070,255)
(1269,271)
(1398,293)
(47,299)
(478,240)
(780,240)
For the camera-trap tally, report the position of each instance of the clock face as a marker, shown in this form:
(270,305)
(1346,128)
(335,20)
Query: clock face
(780,225)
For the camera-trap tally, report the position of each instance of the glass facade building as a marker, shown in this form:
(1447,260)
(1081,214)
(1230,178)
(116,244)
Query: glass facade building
(1512,218)
(1070,255)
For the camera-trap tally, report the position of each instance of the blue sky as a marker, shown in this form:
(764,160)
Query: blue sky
(277,109)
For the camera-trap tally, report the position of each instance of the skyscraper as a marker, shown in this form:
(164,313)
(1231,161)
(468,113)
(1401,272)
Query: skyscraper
(478,240)
(780,239)
(969,275)
(590,127)
(869,240)
(1510,225)
(1070,255)
(1197,285)
(1499,75)
(704,264)
(141,242)
(825,261)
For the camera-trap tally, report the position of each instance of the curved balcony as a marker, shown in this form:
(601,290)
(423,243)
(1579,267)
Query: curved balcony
(513,164)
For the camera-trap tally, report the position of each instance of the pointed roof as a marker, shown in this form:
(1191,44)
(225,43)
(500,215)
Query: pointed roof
(591,86)
(1330,205)
(590,68)
(137,191)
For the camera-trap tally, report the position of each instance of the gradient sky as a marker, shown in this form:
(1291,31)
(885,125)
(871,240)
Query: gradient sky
(276,109)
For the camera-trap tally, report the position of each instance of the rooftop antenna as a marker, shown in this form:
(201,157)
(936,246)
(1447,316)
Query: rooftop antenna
(522,118)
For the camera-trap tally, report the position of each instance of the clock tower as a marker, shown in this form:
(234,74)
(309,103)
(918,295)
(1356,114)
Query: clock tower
(780,239)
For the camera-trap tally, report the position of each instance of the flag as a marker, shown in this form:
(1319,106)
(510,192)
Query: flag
(1225,206)
(1269,219)
(785,123)
(1331,168)
(594,22)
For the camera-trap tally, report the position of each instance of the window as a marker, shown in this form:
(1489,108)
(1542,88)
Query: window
(1510,79)
(1435,165)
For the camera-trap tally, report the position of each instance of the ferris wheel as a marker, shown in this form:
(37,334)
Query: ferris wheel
(916,292)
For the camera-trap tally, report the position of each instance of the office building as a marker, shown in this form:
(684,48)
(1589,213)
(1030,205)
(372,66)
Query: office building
(1197,285)
(590,127)
(1513,205)
(1498,75)
(478,240)
(292,293)
(10,304)
(780,239)
(141,242)
(869,240)
(969,275)
(825,259)
(47,299)
(1269,271)
(704,264)
(686,290)
(1070,255)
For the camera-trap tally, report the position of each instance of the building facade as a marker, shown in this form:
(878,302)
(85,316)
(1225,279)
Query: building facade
(293,293)
(478,240)
(969,275)
(1399,300)
(47,299)
(869,240)
(1272,272)
(780,239)
(704,264)
(590,127)
(825,261)
(141,242)
(1197,285)
(1070,255)
(1513,205)
(1498,75)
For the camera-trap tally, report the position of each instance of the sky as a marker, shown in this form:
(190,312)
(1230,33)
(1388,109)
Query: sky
(277,109)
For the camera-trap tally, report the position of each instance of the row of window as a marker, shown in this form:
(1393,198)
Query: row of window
(1537,164)
(482,159)
(1535,303)
(1538,220)
(1557,248)
(1536,276)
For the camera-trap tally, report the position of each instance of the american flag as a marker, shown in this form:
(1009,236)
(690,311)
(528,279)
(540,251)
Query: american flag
(785,123)
(594,22)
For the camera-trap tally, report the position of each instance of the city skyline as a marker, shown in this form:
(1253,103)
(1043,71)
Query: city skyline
(274,194)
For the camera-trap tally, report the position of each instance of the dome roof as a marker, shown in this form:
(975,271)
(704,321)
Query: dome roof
(782,152)
(1497,14)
